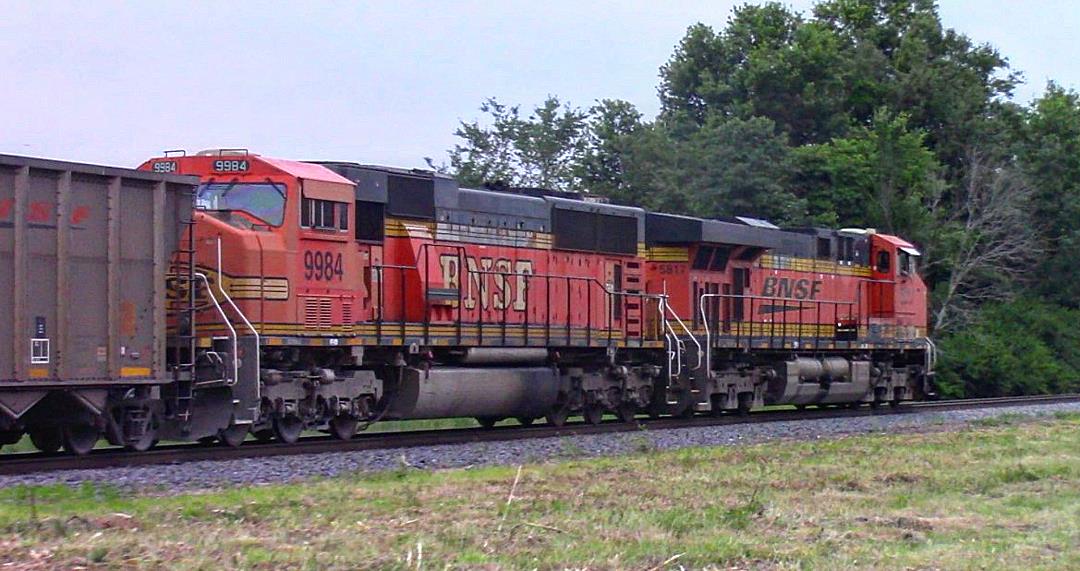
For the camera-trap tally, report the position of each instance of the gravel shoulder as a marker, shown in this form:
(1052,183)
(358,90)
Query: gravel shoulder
(286,469)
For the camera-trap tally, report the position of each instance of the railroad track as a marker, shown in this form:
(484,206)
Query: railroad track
(26,463)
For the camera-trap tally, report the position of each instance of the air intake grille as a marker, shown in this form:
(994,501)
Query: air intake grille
(346,315)
(318,312)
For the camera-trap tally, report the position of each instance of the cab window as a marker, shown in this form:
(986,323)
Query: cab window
(324,214)
(883,257)
(263,200)
(905,263)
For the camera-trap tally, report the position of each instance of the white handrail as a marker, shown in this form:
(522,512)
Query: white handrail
(708,333)
(225,319)
(258,347)
(689,333)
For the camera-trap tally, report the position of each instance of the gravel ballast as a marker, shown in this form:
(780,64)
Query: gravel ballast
(277,469)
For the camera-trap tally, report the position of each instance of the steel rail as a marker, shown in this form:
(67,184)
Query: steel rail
(27,463)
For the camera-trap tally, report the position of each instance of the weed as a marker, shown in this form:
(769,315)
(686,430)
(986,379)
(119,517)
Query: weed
(98,554)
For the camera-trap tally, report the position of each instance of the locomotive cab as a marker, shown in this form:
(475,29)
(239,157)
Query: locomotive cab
(275,262)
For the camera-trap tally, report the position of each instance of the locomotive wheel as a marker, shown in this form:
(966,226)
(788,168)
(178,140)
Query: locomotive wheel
(525,420)
(487,421)
(343,426)
(234,435)
(47,440)
(593,413)
(79,439)
(288,429)
(557,416)
(627,413)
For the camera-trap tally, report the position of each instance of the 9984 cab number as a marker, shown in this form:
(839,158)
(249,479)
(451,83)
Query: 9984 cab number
(323,266)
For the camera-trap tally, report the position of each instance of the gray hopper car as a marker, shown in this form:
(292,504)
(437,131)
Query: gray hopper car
(84,251)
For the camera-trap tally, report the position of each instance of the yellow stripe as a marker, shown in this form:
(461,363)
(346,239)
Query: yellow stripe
(134,371)
(811,265)
(39,373)
(666,254)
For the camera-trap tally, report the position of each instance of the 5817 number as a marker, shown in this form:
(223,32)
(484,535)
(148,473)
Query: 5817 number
(322,266)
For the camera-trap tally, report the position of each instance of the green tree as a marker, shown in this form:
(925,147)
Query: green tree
(878,176)
(1021,347)
(1050,153)
(542,150)
(901,56)
(613,126)
(767,62)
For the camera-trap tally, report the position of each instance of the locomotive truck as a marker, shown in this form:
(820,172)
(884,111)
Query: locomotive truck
(225,294)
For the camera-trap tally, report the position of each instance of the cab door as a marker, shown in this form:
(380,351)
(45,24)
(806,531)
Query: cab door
(882,287)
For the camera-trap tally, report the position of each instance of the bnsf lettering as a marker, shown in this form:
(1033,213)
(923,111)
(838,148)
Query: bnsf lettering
(790,288)
(499,284)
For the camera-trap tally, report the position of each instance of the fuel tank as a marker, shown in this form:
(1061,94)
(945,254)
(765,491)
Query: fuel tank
(820,381)
(469,392)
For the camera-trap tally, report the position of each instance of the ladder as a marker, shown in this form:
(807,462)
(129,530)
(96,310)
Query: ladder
(633,312)
(179,398)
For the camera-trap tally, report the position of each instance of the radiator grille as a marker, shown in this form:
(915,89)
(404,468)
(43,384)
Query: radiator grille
(346,315)
(318,313)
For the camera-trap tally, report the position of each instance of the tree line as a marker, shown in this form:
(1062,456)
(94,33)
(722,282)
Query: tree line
(862,113)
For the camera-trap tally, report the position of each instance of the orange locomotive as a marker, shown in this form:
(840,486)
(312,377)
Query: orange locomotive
(320,295)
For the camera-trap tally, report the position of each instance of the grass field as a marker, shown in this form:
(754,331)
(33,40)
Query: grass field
(1003,494)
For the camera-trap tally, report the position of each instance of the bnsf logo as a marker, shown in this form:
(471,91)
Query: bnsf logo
(495,291)
(790,288)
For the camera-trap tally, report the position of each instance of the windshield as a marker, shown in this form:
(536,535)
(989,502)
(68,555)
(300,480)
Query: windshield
(263,200)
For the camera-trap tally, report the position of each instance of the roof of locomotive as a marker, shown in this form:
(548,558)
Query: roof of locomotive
(537,209)
(302,170)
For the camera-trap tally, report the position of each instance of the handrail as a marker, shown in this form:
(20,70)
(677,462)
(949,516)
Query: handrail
(931,355)
(463,277)
(258,347)
(689,333)
(708,329)
(225,319)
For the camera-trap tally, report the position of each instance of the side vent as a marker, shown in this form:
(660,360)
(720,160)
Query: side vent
(317,313)
(346,315)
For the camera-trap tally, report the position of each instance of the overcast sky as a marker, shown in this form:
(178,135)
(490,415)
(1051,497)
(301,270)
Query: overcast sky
(375,82)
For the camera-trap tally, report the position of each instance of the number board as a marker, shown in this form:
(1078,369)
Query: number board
(231,165)
(322,266)
(165,167)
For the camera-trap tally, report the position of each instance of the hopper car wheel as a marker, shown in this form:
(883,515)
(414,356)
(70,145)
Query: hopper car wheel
(234,435)
(47,440)
(148,439)
(746,402)
(343,426)
(79,439)
(525,420)
(264,435)
(593,413)
(10,436)
(288,428)
(627,413)
(487,421)
(557,416)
